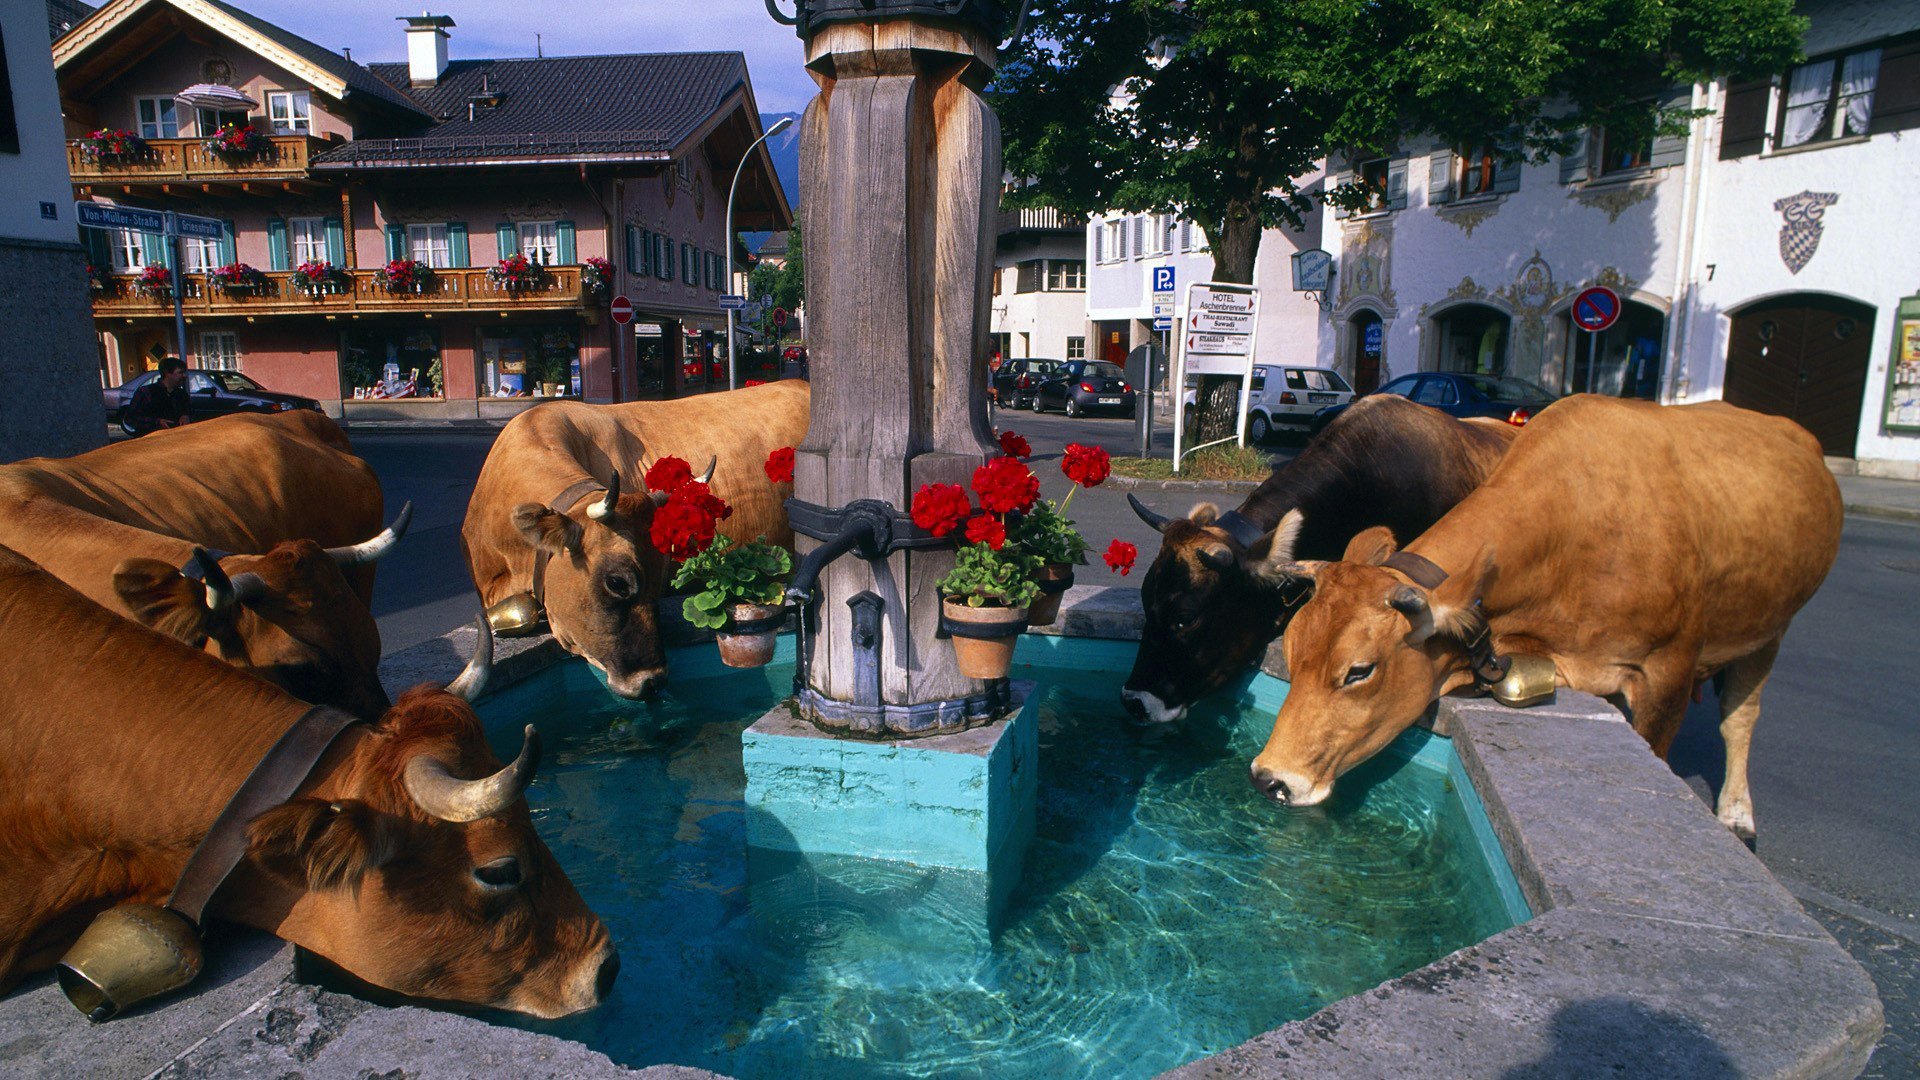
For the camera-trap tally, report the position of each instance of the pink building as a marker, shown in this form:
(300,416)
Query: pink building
(371,210)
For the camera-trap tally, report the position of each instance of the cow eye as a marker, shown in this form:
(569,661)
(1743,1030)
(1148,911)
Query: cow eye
(501,873)
(620,585)
(1358,673)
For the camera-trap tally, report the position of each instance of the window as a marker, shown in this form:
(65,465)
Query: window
(1828,99)
(290,112)
(683,169)
(9,122)
(1402,386)
(212,120)
(1067,275)
(1186,236)
(689,265)
(219,351)
(1315,379)
(539,241)
(129,251)
(1623,152)
(1372,176)
(1076,348)
(428,244)
(307,239)
(157,118)
(1140,236)
(1116,242)
(199,256)
(1437,392)
(1476,170)
(1029,277)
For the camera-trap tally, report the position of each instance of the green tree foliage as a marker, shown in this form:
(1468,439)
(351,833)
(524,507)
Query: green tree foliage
(785,285)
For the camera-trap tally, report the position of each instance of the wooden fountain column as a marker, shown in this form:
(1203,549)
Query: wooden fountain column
(901,173)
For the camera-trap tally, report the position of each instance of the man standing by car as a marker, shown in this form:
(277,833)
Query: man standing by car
(161,403)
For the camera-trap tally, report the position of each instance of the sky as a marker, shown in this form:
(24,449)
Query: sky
(501,28)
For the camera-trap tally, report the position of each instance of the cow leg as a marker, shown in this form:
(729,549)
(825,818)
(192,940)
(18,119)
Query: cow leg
(1657,698)
(1739,710)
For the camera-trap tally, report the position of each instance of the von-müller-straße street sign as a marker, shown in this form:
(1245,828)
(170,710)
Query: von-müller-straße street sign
(93,215)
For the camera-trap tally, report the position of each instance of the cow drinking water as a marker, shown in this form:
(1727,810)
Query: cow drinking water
(1642,548)
(1211,611)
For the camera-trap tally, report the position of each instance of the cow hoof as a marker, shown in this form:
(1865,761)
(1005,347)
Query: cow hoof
(1740,820)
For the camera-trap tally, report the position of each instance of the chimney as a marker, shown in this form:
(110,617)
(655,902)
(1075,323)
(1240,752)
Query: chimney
(426,47)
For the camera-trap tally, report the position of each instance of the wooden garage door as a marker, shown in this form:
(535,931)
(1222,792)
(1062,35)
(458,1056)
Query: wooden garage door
(1804,358)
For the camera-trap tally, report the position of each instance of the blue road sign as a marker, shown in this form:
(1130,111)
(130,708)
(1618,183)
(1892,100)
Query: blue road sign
(202,227)
(1163,279)
(95,215)
(1162,325)
(1596,308)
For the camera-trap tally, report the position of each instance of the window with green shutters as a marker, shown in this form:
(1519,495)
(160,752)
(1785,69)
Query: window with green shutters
(277,251)
(563,243)
(336,242)
(457,251)
(396,242)
(228,254)
(506,240)
(663,267)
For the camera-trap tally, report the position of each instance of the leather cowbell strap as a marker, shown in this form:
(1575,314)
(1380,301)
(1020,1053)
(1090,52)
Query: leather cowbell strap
(560,504)
(273,781)
(1244,530)
(1478,640)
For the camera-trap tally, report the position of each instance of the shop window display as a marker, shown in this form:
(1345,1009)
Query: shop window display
(530,361)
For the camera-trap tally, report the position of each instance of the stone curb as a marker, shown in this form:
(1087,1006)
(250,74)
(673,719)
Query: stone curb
(1134,483)
(1884,513)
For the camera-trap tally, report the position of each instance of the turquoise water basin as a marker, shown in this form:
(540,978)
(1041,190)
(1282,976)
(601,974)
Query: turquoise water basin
(1165,912)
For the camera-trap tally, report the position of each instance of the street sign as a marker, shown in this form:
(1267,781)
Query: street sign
(622,309)
(1162,324)
(733,301)
(1312,270)
(1222,322)
(780,317)
(1163,280)
(95,215)
(1218,336)
(648,329)
(1596,308)
(200,227)
(1217,344)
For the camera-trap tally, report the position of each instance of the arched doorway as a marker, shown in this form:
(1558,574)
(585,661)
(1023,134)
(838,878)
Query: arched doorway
(1367,345)
(1626,359)
(1804,357)
(1472,339)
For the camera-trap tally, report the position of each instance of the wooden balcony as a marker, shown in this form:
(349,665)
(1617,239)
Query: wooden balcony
(167,161)
(1039,219)
(285,292)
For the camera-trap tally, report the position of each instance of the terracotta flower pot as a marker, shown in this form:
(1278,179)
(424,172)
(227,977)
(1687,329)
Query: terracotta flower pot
(748,650)
(986,657)
(1054,580)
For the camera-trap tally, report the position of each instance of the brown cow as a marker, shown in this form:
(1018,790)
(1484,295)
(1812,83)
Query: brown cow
(603,574)
(1210,612)
(119,746)
(283,493)
(1642,548)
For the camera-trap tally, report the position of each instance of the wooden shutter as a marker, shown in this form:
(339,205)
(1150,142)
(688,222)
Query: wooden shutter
(1440,177)
(397,242)
(1333,183)
(1506,172)
(458,253)
(228,254)
(336,241)
(1099,242)
(1397,184)
(154,250)
(1896,91)
(663,267)
(277,245)
(563,252)
(1573,164)
(99,245)
(1743,119)
(633,249)
(1029,279)
(506,238)
(647,245)
(1672,149)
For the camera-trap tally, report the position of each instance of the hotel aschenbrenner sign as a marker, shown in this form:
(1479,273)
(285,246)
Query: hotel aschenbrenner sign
(1218,337)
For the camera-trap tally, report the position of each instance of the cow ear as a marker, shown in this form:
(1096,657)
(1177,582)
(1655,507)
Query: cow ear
(1371,546)
(551,532)
(1203,514)
(316,844)
(161,598)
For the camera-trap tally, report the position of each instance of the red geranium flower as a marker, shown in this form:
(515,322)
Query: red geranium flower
(780,465)
(986,529)
(1087,466)
(668,474)
(701,496)
(940,508)
(1014,446)
(681,529)
(1004,484)
(1120,556)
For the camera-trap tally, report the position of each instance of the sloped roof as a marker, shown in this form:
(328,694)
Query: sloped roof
(355,76)
(631,105)
(64,15)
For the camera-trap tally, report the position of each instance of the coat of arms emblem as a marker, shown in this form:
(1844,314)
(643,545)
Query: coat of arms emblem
(1800,226)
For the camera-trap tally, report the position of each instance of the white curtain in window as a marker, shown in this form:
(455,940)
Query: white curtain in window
(1806,103)
(1857,76)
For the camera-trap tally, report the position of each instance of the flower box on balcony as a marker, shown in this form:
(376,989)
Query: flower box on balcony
(406,276)
(237,279)
(516,273)
(155,281)
(596,274)
(109,146)
(318,277)
(237,143)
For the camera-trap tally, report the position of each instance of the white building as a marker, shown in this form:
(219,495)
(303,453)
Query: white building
(1764,257)
(1039,305)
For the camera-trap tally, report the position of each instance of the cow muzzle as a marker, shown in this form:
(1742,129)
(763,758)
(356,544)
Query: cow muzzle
(129,954)
(639,685)
(1147,708)
(1287,789)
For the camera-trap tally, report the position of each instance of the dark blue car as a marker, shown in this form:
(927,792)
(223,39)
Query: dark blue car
(1514,400)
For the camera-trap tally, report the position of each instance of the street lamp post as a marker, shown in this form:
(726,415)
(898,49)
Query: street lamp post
(733,365)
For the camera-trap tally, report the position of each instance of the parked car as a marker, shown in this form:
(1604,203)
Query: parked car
(1078,387)
(209,394)
(1286,397)
(1514,400)
(1015,381)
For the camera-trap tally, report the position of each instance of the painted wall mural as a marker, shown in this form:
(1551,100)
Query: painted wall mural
(1800,226)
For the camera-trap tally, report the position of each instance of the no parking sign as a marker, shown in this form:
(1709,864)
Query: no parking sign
(1596,308)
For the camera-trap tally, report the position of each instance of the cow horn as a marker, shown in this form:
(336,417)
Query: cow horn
(447,797)
(603,509)
(370,551)
(713,462)
(224,592)
(1412,603)
(472,679)
(1158,521)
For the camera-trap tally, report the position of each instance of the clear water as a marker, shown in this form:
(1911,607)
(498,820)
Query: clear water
(1165,912)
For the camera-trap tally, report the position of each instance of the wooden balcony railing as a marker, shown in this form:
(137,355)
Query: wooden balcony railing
(285,292)
(1039,218)
(167,160)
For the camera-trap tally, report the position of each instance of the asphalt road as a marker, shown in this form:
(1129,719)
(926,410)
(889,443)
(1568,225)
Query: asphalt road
(1834,757)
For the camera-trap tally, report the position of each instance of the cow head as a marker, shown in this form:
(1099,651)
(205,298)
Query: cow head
(1367,655)
(413,864)
(1211,608)
(602,580)
(290,615)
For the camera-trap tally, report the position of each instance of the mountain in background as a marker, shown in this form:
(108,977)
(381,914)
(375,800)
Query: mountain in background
(785,151)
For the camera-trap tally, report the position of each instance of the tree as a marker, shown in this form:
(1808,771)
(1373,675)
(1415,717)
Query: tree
(1217,109)
(785,286)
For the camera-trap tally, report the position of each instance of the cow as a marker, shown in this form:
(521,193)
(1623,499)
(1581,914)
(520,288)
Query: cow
(406,857)
(600,572)
(1210,613)
(1642,548)
(287,510)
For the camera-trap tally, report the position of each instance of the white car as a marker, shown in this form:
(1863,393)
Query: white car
(1286,397)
